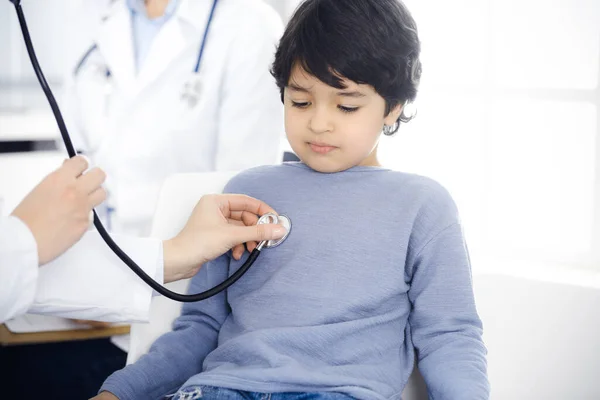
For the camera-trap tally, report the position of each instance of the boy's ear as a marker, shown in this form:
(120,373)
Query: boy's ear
(393,115)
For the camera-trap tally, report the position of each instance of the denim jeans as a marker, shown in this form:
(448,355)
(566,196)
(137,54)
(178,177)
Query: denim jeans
(215,393)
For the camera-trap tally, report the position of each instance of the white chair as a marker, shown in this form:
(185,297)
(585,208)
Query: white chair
(178,197)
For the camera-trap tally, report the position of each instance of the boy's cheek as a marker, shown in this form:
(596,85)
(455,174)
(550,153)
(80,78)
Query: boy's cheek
(297,145)
(294,130)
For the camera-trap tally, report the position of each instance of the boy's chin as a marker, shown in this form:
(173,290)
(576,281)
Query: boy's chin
(326,165)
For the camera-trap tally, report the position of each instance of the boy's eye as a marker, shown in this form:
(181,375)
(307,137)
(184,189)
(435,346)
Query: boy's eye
(347,109)
(302,104)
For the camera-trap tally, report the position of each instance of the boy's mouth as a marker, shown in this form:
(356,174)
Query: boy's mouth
(321,148)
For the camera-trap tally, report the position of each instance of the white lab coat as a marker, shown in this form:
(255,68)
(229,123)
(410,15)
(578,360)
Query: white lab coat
(135,125)
(86,282)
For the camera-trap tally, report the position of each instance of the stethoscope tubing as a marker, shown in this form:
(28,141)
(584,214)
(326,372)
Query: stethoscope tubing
(97,223)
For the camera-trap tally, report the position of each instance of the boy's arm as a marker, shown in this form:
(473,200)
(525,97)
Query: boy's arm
(178,355)
(446,330)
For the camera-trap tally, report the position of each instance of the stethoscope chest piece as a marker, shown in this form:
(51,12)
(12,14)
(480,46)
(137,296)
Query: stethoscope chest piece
(271,218)
(192,91)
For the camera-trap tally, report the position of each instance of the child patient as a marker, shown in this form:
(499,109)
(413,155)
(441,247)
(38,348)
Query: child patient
(375,271)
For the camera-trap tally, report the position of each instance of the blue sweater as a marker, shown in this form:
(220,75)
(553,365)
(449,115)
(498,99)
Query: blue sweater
(375,267)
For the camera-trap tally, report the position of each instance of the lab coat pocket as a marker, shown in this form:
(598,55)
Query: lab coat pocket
(194,134)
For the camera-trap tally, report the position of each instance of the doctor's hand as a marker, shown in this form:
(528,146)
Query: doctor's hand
(218,224)
(57,210)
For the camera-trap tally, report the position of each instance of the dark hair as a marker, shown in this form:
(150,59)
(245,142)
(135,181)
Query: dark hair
(373,42)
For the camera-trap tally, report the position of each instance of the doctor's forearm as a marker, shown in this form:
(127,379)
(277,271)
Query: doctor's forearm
(169,274)
(174,262)
(18,268)
(90,282)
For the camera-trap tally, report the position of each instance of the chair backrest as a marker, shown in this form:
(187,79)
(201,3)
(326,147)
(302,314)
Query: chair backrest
(178,197)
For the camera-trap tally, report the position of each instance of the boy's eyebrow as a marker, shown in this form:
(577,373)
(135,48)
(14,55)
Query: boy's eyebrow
(297,88)
(351,94)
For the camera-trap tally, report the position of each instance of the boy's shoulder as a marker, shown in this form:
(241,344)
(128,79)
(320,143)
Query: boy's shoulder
(426,194)
(412,180)
(248,179)
(417,185)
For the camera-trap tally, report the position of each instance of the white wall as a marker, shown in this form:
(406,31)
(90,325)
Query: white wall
(58,33)
(55,32)
(284,7)
(543,336)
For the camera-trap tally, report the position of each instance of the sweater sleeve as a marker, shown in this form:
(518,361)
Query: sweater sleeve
(446,330)
(179,354)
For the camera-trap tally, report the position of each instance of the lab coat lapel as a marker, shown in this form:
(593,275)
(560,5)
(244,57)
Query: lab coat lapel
(184,28)
(167,45)
(115,43)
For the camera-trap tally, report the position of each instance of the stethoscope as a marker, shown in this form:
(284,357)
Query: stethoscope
(190,93)
(267,218)
(192,88)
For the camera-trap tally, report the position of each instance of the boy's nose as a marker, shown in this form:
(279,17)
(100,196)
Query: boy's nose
(320,122)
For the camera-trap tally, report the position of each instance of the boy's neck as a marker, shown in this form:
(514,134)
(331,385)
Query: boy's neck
(371,160)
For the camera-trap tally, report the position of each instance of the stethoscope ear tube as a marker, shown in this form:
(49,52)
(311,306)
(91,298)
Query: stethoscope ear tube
(97,223)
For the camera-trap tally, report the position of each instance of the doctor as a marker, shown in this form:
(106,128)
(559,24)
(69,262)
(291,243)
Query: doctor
(174,86)
(55,215)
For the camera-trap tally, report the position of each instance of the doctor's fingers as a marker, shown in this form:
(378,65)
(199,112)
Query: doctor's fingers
(238,202)
(238,250)
(245,217)
(258,233)
(235,221)
(75,166)
(96,197)
(91,181)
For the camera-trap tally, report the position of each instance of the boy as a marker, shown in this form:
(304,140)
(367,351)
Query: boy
(375,265)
